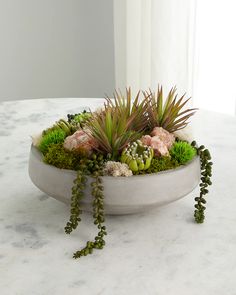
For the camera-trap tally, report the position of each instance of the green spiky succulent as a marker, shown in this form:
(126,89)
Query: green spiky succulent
(137,156)
(112,131)
(63,125)
(134,110)
(169,115)
(79,120)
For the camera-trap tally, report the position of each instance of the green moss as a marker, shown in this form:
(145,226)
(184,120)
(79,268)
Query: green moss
(162,164)
(182,152)
(52,137)
(59,157)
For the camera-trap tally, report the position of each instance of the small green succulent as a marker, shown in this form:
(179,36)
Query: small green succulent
(79,119)
(50,138)
(182,152)
(137,156)
(63,125)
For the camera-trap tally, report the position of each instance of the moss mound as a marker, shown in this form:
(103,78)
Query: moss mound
(53,137)
(162,164)
(57,156)
(182,152)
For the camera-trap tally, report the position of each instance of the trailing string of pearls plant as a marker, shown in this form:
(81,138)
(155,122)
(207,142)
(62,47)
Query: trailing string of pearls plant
(206,173)
(98,204)
(99,218)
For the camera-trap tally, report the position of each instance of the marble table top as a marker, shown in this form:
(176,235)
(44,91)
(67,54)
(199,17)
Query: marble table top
(160,252)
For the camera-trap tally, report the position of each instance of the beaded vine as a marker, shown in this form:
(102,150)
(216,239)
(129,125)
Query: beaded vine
(206,173)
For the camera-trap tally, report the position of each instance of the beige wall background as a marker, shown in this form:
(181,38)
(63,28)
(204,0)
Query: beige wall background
(56,48)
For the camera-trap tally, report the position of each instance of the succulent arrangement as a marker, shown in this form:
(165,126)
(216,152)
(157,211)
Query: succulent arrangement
(127,137)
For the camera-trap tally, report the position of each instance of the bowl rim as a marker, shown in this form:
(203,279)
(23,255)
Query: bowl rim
(39,155)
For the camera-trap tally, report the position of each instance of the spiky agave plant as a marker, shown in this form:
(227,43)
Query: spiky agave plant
(112,131)
(170,114)
(134,109)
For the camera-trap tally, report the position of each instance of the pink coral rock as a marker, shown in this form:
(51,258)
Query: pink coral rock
(160,140)
(166,137)
(146,140)
(159,147)
(80,140)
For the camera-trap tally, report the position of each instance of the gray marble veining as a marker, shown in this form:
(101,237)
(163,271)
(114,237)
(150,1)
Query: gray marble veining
(155,253)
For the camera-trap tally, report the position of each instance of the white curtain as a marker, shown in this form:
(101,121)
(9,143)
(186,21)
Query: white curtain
(154,43)
(214,86)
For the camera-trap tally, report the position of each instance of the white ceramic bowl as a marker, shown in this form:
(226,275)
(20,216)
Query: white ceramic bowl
(123,195)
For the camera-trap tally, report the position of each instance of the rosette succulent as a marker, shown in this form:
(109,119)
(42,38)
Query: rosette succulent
(137,156)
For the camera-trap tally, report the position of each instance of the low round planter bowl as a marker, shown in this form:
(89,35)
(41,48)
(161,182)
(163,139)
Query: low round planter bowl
(123,195)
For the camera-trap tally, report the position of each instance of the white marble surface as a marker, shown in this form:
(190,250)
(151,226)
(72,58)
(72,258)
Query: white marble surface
(161,252)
